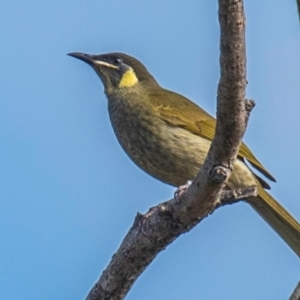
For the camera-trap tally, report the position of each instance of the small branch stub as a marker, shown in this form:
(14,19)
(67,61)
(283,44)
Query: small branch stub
(219,174)
(249,105)
(236,195)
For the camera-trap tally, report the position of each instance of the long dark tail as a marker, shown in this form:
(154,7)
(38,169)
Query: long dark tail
(278,218)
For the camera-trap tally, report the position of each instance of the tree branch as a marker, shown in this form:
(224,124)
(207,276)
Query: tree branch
(153,232)
(296,293)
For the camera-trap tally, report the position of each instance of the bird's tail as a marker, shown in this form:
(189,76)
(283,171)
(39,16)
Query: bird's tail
(278,218)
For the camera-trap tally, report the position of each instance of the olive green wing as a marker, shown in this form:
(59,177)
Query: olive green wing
(179,111)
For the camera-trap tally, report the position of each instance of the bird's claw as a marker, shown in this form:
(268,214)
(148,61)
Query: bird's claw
(181,189)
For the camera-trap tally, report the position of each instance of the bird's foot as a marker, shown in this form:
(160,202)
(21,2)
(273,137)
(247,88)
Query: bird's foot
(181,189)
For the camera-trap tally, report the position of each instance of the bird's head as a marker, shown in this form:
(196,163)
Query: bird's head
(117,70)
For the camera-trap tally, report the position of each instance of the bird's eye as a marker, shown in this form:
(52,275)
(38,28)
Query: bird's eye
(117,61)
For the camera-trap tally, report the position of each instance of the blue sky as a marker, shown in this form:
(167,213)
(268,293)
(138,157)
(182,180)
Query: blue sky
(68,193)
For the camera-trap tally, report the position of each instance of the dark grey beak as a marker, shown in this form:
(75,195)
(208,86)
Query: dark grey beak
(87,58)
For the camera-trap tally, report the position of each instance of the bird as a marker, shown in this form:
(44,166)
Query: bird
(168,136)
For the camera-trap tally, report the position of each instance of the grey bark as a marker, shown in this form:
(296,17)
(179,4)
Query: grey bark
(154,231)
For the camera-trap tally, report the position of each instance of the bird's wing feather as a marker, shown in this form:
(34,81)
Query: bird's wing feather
(188,115)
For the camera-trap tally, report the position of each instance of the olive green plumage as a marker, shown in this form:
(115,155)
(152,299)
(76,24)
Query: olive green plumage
(168,136)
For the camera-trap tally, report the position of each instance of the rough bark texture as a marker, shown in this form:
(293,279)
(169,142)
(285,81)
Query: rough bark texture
(153,232)
(296,293)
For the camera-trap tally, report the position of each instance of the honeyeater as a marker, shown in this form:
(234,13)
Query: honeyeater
(168,136)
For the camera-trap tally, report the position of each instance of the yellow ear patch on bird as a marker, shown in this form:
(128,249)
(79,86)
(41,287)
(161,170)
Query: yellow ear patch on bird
(128,79)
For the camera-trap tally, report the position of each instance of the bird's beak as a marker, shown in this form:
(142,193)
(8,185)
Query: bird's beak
(91,60)
(87,58)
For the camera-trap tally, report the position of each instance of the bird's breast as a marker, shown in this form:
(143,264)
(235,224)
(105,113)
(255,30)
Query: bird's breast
(170,154)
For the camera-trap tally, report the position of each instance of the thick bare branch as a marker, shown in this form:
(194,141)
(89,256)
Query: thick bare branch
(153,232)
